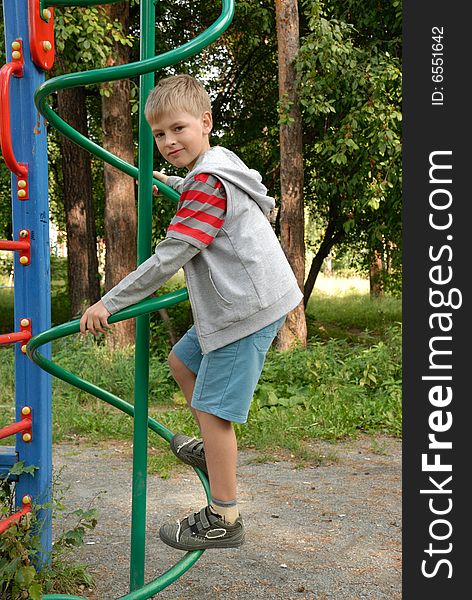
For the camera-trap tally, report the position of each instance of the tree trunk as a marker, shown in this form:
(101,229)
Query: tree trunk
(83,278)
(292,220)
(164,314)
(330,239)
(376,270)
(120,209)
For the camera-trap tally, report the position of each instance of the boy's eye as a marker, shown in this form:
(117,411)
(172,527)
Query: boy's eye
(179,128)
(158,135)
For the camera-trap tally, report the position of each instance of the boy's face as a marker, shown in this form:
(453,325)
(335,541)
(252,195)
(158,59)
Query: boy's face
(181,137)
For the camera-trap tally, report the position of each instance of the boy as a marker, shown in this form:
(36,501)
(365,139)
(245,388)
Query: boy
(240,285)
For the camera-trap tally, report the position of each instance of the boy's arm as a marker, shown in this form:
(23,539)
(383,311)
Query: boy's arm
(201,212)
(176,183)
(169,256)
(199,217)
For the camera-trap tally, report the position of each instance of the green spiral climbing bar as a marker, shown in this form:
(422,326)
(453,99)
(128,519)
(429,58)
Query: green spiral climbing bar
(144,307)
(66,329)
(144,68)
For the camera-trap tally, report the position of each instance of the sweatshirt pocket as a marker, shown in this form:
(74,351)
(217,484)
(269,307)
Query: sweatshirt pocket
(217,291)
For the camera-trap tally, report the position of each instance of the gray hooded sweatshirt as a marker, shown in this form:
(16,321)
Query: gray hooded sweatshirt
(238,283)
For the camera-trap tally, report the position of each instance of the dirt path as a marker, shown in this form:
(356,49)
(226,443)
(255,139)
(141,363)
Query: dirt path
(328,532)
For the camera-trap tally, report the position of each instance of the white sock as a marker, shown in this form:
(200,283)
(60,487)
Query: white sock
(228,510)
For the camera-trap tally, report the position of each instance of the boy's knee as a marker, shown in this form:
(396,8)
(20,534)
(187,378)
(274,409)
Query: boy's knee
(173,362)
(177,367)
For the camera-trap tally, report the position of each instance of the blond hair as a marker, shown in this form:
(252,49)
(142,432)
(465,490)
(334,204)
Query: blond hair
(179,92)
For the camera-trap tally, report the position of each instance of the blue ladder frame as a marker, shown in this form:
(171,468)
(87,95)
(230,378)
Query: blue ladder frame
(32,282)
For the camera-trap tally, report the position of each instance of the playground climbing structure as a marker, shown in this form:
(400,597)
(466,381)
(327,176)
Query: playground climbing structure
(30,24)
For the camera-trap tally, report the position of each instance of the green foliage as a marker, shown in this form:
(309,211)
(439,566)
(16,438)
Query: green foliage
(180,319)
(355,312)
(350,93)
(20,548)
(84,36)
(5,201)
(330,390)
(347,380)
(6,265)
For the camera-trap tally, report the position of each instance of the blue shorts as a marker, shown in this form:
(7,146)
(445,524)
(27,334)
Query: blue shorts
(227,377)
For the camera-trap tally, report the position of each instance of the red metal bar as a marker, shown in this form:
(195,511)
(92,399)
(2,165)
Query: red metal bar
(12,68)
(25,425)
(9,521)
(22,245)
(14,245)
(12,338)
(24,335)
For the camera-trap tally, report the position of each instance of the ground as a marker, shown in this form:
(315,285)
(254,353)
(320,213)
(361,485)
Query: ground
(331,531)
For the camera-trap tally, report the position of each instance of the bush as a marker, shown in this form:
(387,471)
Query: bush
(328,391)
(20,548)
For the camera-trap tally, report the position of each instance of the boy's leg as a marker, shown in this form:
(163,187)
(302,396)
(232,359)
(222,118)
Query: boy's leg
(221,395)
(185,379)
(221,453)
(188,449)
(218,525)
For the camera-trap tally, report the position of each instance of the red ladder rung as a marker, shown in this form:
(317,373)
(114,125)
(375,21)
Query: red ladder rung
(9,521)
(24,335)
(25,425)
(14,245)
(21,245)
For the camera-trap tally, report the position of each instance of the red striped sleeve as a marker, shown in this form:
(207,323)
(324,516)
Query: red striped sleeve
(200,216)
(199,196)
(201,211)
(202,177)
(192,232)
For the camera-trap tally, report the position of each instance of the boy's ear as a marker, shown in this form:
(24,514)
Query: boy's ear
(207,122)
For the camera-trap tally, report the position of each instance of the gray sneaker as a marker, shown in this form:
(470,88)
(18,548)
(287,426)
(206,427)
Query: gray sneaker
(189,450)
(203,530)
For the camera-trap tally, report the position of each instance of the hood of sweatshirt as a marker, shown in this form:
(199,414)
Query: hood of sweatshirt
(225,165)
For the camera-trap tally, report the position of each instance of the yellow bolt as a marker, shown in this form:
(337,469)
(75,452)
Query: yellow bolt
(23,233)
(26,410)
(21,183)
(26,437)
(24,322)
(16,55)
(27,499)
(24,260)
(46,13)
(47,46)
(16,46)
(21,193)
(23,348)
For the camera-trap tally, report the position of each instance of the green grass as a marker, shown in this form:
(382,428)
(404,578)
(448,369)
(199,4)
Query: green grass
(6,304)
(344,306)
(348,380)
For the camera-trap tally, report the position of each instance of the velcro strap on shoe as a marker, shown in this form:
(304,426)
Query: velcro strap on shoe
(191,520)
(204,519)
(196,447)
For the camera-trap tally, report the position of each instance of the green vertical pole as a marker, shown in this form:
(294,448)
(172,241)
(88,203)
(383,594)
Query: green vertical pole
(140,442)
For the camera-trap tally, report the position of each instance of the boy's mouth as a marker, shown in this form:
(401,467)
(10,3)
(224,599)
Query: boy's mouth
(174,152)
